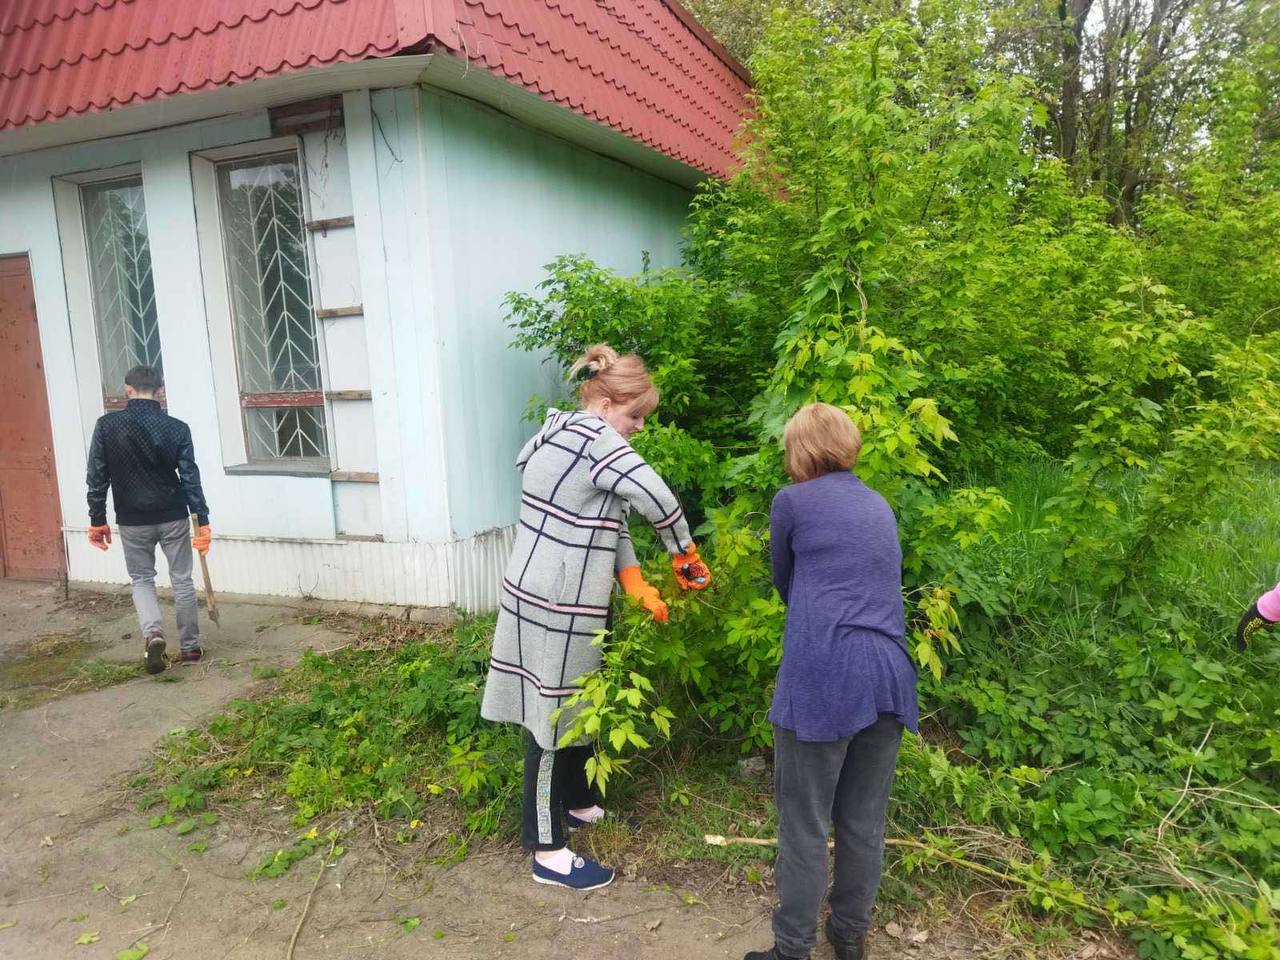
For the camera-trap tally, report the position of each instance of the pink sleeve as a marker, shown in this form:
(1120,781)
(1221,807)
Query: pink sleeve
(1269,604)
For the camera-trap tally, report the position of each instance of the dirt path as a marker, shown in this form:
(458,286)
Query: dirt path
(77,860)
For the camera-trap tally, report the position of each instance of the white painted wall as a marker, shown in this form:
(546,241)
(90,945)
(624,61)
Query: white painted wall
(261,506)
(454,206)
(385,153)
(503,201)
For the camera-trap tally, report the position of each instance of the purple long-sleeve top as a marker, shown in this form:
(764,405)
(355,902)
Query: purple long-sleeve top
(837,564)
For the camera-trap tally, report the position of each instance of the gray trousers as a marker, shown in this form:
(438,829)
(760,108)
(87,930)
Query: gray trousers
(845,782)
(174,538)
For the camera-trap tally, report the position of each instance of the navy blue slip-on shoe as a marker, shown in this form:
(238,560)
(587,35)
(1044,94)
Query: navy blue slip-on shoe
(575,823)
(585,875)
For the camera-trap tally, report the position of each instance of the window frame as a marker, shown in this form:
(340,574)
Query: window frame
(232,400)
(82,307)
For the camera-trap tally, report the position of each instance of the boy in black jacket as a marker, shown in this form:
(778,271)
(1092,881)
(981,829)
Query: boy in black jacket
(147,459)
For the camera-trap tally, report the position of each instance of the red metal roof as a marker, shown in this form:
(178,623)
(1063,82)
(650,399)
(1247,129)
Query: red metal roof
(643,67)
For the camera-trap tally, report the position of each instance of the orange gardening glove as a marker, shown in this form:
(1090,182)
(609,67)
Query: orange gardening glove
(200,542)
(691,573)
(100,537)
(634,583)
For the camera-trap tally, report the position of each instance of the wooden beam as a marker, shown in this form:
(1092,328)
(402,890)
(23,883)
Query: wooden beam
(331,312)
(354,476)
(332,223)
(308,398)
(348,394)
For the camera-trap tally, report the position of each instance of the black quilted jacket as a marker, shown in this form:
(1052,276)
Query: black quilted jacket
(146,457)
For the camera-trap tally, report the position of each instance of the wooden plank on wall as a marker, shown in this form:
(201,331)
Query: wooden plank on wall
(354,476)
(348,394)
(330,223)
(283,398)
(331,312)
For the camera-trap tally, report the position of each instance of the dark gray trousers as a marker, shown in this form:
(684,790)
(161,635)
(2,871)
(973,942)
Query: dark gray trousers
(845,782)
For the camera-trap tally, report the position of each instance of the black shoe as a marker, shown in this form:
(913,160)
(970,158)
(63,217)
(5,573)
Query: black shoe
(771,954)
(846,948)
(154,657)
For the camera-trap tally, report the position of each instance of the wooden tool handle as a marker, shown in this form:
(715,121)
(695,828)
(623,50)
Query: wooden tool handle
(210,604)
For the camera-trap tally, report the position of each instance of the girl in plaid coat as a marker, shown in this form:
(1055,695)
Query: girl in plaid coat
(580,480)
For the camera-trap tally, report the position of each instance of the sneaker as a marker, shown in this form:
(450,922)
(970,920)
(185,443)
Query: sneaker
(154,657)
(191,656)
(575,823)
(846,948)
(584,875)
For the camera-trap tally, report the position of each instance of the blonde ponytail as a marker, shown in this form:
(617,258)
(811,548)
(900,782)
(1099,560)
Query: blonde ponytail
(622,380)
(598,358)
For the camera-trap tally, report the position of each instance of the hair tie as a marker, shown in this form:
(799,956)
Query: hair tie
(589,372)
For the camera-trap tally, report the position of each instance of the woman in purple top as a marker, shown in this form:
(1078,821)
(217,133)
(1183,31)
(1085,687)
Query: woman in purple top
(846,686)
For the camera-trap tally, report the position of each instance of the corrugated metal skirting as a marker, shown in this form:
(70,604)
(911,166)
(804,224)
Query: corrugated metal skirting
(464,573)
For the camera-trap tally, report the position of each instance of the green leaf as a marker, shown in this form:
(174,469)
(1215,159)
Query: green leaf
(86,938)
(185,827)
(136,952)
(209,818)
(277,904)
(409,924)
(6,924)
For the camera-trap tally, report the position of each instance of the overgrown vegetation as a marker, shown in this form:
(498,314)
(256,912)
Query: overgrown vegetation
(386,724)
(1074,420)
(1073,412)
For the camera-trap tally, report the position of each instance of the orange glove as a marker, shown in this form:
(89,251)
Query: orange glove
(691,573)
(100,537)
(634,583)
(200,541)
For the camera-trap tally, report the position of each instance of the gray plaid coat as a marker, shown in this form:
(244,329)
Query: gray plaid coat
(580,481)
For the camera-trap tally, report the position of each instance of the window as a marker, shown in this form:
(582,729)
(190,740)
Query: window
(264,244)
(121,288)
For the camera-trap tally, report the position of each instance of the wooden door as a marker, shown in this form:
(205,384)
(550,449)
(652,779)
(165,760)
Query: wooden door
(30,518)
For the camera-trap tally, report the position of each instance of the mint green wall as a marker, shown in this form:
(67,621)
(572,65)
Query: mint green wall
(503,201)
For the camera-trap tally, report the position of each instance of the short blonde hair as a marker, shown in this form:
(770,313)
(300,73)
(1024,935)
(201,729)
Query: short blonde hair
(820,439)
(622,380)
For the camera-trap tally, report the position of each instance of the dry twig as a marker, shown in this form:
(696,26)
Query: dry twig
(182,893)
(306,907)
